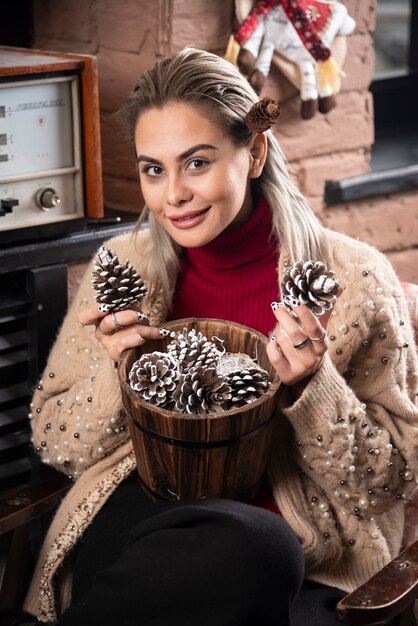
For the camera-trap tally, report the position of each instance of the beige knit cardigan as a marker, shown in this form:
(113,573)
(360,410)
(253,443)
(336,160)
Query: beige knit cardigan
(344,456)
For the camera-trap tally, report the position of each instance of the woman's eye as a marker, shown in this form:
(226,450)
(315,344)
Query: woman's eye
(152,170)
(196,164)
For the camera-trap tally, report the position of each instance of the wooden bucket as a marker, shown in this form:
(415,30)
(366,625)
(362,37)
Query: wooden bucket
(200,456)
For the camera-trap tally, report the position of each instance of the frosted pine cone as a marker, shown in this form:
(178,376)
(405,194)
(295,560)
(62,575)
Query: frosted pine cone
(201,390)
(154,377)
(310,283)
(117,285)
(191,349)
(247,385)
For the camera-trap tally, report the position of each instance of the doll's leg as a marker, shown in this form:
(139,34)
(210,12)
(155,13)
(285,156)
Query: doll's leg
(308,90)
(249,51)
(264,57)
(326,102)
(262,66)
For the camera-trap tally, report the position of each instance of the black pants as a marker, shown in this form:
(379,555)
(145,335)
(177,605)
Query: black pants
(195,563)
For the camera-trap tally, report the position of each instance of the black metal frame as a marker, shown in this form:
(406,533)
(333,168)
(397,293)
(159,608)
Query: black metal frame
(396,99)
(33,302)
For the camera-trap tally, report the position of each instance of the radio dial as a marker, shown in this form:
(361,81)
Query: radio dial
(47,199)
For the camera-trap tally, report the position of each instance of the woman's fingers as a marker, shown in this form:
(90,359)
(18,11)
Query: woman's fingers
(324,319)
(130,337)
(293,332)
(298,345)
(117,321)
(146,332)
(107,322)
(116,348)
(91,315)
(305,325)
(313,328)
(289,370)
(291,363)
(118,331)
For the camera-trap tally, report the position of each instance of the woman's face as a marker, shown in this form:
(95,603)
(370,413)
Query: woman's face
(193,178)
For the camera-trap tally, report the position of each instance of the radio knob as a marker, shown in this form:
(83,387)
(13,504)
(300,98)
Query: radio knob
(7,204)
(47,199)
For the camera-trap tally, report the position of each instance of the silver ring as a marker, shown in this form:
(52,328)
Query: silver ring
(292,313)
(105,332)
(301,344)
(115,321)
(318,339)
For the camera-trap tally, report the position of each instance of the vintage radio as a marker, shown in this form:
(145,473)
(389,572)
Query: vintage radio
(50,153)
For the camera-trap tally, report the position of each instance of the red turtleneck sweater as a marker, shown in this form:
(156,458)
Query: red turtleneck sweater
(234,277)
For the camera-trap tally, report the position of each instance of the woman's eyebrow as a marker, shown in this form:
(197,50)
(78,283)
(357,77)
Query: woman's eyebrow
(193,149)
(144,157)
(184,155)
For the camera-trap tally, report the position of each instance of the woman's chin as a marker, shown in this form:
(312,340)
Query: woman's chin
(191,240)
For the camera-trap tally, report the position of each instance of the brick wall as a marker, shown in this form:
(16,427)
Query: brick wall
(130,35)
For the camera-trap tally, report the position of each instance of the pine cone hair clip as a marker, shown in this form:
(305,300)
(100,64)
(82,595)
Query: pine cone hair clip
(262,115)
(118,286)
(310,283)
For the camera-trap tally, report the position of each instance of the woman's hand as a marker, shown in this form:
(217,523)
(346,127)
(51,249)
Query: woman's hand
(298,345)
(119,331)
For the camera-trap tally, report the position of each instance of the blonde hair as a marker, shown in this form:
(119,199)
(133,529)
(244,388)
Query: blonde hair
(224,96)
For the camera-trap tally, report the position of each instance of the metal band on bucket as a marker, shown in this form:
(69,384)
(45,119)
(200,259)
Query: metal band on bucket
(184,443)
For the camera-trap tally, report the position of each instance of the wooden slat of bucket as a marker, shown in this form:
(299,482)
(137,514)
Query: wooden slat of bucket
(169,462)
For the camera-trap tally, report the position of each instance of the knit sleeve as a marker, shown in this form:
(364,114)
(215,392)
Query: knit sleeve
(77,412)
(356,423)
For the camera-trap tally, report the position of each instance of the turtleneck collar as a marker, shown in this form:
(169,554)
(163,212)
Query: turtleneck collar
(237,247)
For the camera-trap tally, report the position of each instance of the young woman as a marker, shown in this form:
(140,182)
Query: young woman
(225,221)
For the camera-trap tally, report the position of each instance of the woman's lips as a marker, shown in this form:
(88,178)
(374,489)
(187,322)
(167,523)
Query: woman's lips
(188,220)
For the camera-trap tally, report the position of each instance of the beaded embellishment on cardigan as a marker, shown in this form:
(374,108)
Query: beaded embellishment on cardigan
(73,529)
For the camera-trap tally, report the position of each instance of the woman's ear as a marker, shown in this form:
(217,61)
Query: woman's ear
(258,154)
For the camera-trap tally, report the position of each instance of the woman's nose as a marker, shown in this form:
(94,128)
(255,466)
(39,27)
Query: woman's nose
(177,192)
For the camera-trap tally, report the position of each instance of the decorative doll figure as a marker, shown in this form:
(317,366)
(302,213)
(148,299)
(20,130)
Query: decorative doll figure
(299,32)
